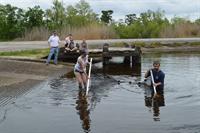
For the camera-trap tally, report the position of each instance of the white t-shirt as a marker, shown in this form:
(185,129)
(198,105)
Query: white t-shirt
(67,40)
(54,41)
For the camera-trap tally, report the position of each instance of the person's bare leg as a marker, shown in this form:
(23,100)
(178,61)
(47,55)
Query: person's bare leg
(74,49)
(67,50)
(79,79)
(84,79)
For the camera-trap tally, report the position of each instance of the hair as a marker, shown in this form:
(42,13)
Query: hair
(84,44)
(156,62)
(83,52)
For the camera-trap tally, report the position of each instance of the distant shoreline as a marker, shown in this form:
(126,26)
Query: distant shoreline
(39,49)
(31,45)
(177,49)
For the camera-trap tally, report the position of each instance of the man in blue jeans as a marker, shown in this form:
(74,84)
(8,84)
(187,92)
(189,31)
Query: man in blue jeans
(53,42)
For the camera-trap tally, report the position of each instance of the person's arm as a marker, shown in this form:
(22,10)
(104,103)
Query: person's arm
(147,74)
(49,41)
(87,60)
(157,84)
(59,42)
(66,42)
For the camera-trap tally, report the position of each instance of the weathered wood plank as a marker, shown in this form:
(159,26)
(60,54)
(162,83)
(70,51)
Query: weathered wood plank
(108,53)
(113,51)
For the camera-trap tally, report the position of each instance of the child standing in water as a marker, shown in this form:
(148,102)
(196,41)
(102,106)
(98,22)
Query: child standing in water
(80,69)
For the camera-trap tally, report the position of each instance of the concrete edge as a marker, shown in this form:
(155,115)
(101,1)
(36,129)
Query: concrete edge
(33,60)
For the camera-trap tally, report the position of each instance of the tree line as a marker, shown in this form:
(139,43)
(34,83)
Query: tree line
(19,23)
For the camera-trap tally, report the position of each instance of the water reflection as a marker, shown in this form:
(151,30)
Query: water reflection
(117,69)
(4,114)
(58,92)
(56,83)
(83,110)
(154,102)
(99,89)
(121,69)
(120,110)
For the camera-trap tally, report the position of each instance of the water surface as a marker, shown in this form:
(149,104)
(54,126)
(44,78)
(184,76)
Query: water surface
(57,105)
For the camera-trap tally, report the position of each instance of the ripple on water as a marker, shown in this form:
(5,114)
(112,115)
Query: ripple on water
(112,107)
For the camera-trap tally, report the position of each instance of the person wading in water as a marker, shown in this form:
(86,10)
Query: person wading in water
(80,69)
(158,76)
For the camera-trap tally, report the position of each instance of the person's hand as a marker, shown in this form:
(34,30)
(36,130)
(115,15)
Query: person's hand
(156,84)
(147,73)
(85,71)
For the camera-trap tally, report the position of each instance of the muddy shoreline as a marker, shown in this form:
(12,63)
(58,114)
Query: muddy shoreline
(17,77)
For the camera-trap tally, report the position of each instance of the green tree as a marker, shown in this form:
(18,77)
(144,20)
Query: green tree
(148,24)
(55,17)
(34,17)
(106,16)
(83,8)
(178,20)
(197,21)
(80,15)
(10,22)
(130,18)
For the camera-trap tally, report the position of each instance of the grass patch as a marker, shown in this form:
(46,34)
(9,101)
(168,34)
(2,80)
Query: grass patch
(37,53)
(154,44)
(137,44)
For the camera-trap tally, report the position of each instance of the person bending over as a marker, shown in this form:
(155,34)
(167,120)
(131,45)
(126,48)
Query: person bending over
(80,69)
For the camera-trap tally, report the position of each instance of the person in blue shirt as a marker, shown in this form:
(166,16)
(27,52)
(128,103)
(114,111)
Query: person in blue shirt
(158,76)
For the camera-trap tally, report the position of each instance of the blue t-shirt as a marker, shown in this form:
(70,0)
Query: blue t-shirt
(159,76)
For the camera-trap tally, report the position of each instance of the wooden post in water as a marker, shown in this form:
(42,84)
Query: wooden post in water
(105,54)
(127,59)
(136,58)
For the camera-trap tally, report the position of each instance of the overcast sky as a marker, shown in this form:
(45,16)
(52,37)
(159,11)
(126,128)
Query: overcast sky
(184,8)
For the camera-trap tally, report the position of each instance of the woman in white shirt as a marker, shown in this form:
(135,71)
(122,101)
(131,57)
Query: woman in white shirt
(80,69)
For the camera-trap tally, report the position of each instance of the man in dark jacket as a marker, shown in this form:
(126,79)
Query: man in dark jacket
(158,76)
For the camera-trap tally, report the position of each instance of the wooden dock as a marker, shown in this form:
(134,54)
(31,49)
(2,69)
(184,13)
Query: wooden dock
(131,55)
(112,51)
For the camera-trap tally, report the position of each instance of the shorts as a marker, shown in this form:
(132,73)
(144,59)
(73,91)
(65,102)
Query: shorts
(81,72)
